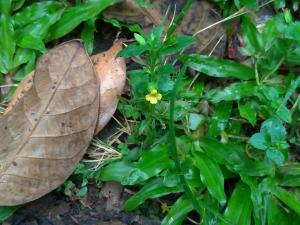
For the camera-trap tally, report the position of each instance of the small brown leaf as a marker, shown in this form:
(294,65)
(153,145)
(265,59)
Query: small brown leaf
(111,71)
(48,131)
(23,87)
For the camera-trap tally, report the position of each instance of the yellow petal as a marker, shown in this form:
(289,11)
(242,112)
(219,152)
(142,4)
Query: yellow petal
(153,100)
(158,96)
(148,97)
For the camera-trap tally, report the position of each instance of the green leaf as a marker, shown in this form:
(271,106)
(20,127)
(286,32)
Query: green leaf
(249,3)
(178,212)
(292,88)
(155,35)
(31,42)
(239,206)
(22,56)
(133,50)
(134,28)
(7,43)
(82,192)
(73,16)
(260,195)
(180,42)
(207,217)
(17,4)
(248,112)
(233,157)
(165,83)
(27,69)
(87,34)
(272,139)
(211,175)
(234,91)
(195,120)
(275,155)
(258,141)
(5,7)
(288,16)
(284,114)
(218,67)
(68,188)
(7,211)
(178,19)
(290,180)
(116,171)
(139,39)
(288,198)
(150,164)
(251,36)
(272,134)
(279,216)
(35,12)
(153,189)
(290,169)
(220,118)
(275,129)
(32,35)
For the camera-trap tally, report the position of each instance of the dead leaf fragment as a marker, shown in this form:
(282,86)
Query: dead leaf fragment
(200,15)
(19,93)
(130,12)
(111,71)
(48,131)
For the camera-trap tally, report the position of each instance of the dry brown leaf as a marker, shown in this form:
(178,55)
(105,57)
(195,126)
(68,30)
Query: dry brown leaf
(200,15)
(129,11)
(48,131)
(111,71)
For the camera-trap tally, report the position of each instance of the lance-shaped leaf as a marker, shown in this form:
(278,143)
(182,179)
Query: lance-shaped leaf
(239,207)
(215,67)
(47,132)
(211,176)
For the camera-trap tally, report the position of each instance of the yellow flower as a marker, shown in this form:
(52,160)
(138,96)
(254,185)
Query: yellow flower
(164,207)
(153,97)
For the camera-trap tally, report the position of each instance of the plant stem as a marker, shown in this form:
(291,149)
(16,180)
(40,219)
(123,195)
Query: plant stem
(178,18)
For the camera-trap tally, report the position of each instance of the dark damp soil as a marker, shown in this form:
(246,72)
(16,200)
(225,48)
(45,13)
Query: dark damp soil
(99,207)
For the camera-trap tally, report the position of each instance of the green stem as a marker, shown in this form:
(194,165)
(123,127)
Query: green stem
(256,74)
(179,18)
(265,78)
(197,204)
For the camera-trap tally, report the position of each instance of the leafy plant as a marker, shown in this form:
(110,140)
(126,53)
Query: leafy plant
(235,126)
(26,28)
(222,143)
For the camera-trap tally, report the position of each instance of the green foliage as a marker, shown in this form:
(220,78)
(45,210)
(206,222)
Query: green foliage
(236,121)
(25,29)
(220,143)
(7,211)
